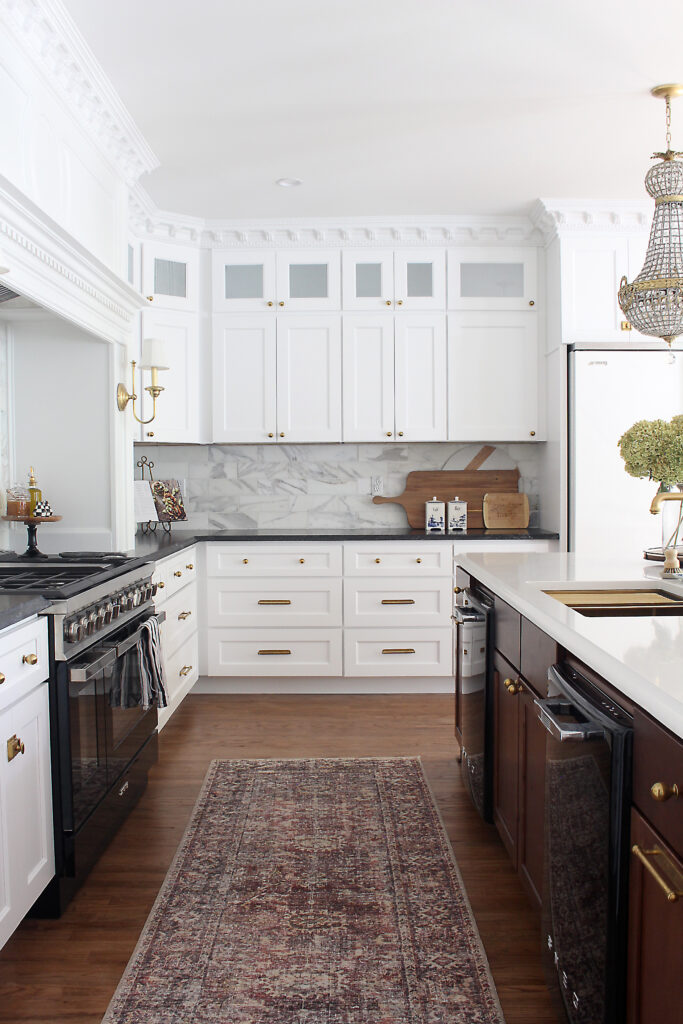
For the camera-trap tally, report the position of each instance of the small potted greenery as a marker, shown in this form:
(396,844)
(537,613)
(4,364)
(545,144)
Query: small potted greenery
(653,449)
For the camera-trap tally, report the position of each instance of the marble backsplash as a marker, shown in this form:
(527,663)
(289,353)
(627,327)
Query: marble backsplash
(315,485)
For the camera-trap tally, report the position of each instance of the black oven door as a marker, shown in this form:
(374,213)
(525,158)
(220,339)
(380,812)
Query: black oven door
(87,732)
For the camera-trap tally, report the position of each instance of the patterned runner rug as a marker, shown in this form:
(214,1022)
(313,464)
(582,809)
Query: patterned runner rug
(310,892)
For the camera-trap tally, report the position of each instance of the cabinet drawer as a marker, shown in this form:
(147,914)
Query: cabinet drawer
(175,572)
(398,652)
(508,631)
(658,759)
(19,646)
(246,560)
(267,601)
(275,652)
(538,652)
(182,667)
(397,602)
(400,558)
(181,618)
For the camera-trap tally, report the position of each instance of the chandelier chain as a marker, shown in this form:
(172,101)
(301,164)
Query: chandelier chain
(668,123)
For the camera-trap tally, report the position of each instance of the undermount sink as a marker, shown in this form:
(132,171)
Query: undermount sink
(619,602)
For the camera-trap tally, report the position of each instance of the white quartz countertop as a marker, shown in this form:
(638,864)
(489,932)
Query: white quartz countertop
(641,656)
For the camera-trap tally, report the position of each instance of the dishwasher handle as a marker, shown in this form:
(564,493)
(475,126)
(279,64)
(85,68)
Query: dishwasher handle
(566,732)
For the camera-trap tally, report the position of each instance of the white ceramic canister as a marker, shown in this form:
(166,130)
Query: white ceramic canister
(457,515)
(435,516)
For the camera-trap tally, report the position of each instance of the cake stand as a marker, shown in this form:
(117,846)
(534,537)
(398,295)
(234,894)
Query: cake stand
(32,524)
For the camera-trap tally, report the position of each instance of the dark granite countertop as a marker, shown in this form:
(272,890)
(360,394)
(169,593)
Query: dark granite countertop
(159,545)
(15,607)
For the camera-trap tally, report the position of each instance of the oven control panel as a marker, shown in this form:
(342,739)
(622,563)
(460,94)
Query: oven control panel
(96,617)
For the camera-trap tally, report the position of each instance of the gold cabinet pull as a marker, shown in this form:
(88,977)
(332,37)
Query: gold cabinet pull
(2,678)
(274,652)
(531,302)
(279,600)
(661,792)
(387,302)
(269,303)
(378,560)
(30,659)
(271,434)
(457,590)
(245,561)
(532,433)
(400,433)
(399,302)
(388,433)
(185,670)
(418,560)
(161,585)
(189,565)
(398,650)
(282,434)
(280,303)
(177,573)
(301,561)
(150,433)
(512,686)
(14,747)
(184,615)
(398,600)
(672,895)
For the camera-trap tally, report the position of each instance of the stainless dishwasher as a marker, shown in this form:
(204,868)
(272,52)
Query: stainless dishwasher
(473,640)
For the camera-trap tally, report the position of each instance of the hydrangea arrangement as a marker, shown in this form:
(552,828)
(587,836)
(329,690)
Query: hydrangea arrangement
(654,449)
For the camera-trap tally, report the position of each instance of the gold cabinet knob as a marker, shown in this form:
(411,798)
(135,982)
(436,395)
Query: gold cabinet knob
(532,433)
(150,298)
(399,302)
(388,433)
(190,565)
(150,433)
(378,560)
(269,303)
(245,561)
(661,792)
(30,659)
(387,302)
(531,302)
(282,434)
(161,586)
(280,303)
(512,686)
(183,615)
(177,573)
(271,434)
(400,433)
(301,561)
(457,590)
(2,678)
(418,560)
(185,670)
(14,747)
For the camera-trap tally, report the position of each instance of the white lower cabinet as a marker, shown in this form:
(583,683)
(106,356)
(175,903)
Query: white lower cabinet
(406,651)
(275,652)
(176,596)
(398,601)
(267,602)
(26,835)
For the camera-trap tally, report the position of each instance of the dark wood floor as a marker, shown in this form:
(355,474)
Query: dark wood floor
(65,972)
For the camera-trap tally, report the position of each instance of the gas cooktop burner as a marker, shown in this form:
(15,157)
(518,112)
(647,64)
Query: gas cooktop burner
(45,577)
(59,578)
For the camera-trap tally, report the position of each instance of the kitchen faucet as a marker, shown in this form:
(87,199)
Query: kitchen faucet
(659,497)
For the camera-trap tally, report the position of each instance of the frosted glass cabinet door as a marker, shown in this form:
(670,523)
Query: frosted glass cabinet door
(180,406)
(493,371)
(244,360)
(368,377)
(420,279)
(308,280)
(308,378)
(493,278)
(170,275)
(420,376)
(368,279)
(243,281)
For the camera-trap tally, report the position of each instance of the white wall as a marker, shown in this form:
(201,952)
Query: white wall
(63,399)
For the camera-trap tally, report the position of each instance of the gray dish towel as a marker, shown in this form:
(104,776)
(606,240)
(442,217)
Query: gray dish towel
(151,666)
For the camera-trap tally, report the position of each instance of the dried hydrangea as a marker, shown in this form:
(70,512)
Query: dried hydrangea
(654,449)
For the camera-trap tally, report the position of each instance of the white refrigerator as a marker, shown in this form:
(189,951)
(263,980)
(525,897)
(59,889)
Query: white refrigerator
(609,389)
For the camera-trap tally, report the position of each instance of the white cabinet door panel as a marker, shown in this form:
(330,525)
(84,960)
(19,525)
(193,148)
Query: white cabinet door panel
(243,281)
(405,603)
(420,363)
(591,271)
(309,378)
(493,278)
(244,560)
(244,379)
(275,652)
(494,377)
(270,602)
(308,280)
(368,279)
(179,407)
(399,558)
(398,652)
(420,279)
(368,377)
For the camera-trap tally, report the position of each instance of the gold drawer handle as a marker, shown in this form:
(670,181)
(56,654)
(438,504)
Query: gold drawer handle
(177,573)
(189,565)
(2,678)
(672,895)
(185,670)
(184,615)
(398,650)
(274,652)
(661,792)
(14,747)
(398,600)
(284,600)
(30,659)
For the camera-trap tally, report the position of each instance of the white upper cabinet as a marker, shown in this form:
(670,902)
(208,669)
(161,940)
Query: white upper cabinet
(368,279)
(420,279)
(410,279)
(170,275)
(244,379)
(420,368)
(309,378)
(180,415)
(308,280)
(493,278)
(368,377)
(494,377)
(243,281)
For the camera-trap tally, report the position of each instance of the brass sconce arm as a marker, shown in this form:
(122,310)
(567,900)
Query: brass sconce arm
(659,497)
(124,396)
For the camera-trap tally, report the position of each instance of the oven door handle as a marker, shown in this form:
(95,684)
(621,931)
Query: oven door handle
(131,641)
(563,731)
(83,672)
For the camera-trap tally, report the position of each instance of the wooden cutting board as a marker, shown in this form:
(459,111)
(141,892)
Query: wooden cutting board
(468,484)
(506,511)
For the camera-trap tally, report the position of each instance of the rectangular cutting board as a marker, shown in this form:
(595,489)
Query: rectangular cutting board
(506,511)
(468,484)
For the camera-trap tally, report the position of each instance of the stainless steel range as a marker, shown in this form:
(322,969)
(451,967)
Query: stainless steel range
(102,733)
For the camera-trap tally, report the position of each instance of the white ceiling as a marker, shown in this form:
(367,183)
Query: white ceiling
(387,107)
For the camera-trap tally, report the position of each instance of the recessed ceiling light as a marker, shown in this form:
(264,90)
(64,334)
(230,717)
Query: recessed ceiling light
(288,182)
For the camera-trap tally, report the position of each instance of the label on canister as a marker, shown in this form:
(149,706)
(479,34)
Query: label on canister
(435,516)
(457,516)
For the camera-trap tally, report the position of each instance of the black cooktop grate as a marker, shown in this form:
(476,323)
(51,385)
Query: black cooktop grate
(40,578)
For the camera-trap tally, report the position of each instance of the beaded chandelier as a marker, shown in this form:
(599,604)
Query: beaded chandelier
(653,302)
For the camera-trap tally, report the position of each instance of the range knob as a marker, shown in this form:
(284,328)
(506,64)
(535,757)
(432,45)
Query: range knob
(92,622)
(101,617)
(116,606)
(83,626)
(108,612)
(155,587)
(73,633)
(134,597)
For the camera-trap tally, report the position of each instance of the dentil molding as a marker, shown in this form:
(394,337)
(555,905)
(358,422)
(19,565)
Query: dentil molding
(556,217)
(48,34)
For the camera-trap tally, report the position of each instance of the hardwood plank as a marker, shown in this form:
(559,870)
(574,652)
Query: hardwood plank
(65,972)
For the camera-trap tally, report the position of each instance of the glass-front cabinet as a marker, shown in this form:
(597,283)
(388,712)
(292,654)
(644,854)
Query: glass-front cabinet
(412,279)
(243,282)
(500,278)
(170,275)
(284,281)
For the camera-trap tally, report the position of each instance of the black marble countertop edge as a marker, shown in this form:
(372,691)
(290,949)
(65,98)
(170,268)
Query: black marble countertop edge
(15,607)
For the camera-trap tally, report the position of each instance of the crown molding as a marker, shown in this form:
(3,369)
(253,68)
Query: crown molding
(51,268)
(147,221)
(49,36)
(557,217)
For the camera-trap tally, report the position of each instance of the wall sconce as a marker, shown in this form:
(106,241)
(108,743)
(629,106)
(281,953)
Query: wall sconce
(153,358)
